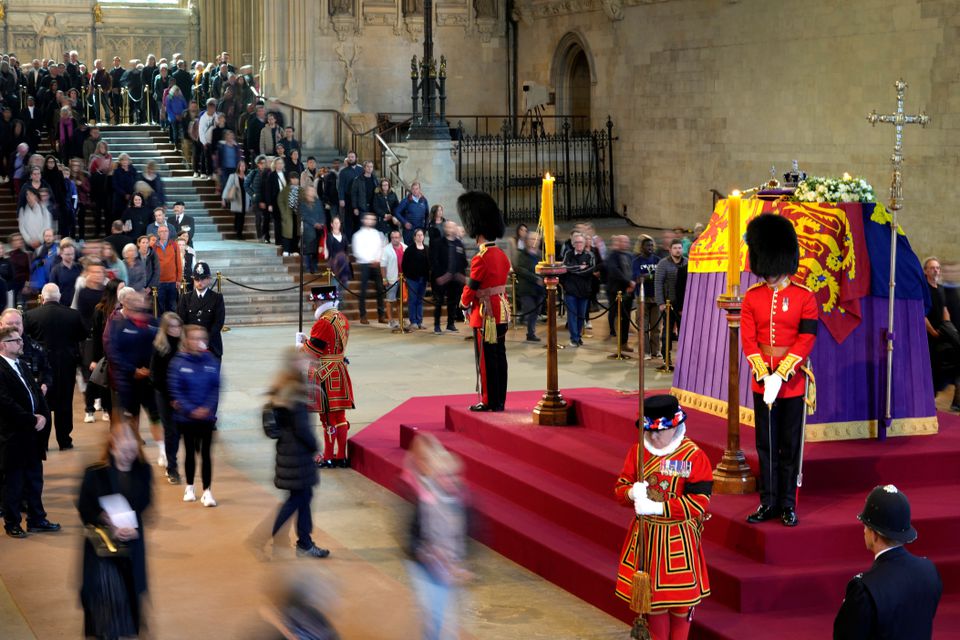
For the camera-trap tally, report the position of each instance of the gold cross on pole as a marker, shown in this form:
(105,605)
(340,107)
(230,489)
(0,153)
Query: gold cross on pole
(898,119)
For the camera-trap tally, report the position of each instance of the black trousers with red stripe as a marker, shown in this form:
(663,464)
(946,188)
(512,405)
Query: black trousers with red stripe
(492,363)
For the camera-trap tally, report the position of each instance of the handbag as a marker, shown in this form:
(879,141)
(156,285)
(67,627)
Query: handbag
(99,375)
(269,420)
(104,545)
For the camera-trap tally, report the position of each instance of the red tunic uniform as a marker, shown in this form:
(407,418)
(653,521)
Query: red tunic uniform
(778,327)
(332,389)
(672,553)
(485,292)
(485,297)
(330,392)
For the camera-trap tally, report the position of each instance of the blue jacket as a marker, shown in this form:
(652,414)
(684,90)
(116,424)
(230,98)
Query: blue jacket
(194,382)
(128,347)
(413,212)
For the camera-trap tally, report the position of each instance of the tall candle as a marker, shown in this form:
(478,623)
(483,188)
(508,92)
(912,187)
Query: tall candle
(546,219)
(733,243)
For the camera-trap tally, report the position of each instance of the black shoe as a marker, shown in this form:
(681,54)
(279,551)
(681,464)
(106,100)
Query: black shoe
(66,447)
(762,514)
(43,526)
(173,478)
(344,463)
(480,407)
(789,517)
(14,531)
(533,339)
(312,552)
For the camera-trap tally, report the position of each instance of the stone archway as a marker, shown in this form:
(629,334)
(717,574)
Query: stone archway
(573,79)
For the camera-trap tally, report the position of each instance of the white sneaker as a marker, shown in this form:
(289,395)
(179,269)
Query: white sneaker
(207,499)
(97,406)
(286,254)
(196,175)
(203,176)
(162,457)
(589,325)
(189,495)
(88,418)
(105,417)
(295,254)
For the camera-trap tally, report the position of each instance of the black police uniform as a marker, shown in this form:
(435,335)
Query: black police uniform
(206,310)
(896,598)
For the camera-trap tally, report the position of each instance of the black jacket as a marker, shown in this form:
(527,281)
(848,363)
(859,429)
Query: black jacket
(296,448)
(578,280)
(208,312)
(59,329)
(896,599)
(187,223)
(19,440)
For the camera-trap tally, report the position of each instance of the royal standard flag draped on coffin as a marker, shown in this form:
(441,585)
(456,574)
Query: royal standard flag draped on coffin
(834,261)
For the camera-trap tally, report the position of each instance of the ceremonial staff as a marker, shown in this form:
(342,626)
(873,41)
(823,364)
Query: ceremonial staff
(897,119)
(640,585)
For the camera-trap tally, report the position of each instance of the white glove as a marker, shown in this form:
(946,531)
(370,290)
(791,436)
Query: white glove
(771,387)
(647,507)
(638,489)
(300,339)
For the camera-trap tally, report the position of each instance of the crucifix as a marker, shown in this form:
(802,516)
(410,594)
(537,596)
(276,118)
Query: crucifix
(897,119)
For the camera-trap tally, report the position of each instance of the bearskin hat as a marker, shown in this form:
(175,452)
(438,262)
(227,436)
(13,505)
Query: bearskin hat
(480,215)
(772,246)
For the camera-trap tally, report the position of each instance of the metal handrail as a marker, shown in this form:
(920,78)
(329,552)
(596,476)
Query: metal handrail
(394,173)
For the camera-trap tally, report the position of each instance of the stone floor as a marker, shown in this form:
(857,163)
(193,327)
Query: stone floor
(206,582)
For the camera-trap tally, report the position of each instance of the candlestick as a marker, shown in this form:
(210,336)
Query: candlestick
(546,220)
(733,243)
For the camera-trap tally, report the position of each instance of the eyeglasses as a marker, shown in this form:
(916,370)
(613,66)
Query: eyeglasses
(14,340)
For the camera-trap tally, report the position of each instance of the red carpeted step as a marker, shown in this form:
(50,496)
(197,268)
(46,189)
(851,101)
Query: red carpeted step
(592,461)
(829,467)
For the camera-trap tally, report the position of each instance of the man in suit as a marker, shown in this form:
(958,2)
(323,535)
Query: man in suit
(60,330)
(204,307)
(32,123)
(898,596)
(35,76)
(23,415)
(181,222)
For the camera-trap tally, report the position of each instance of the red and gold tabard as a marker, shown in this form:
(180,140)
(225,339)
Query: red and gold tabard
(486,290)
(778,327)
(331,389)
(683,481)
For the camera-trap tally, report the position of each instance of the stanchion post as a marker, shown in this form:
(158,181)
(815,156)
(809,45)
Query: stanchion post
(399,285)
(619,355)
(153,293)
(146,96)
(220,291)
(668,356)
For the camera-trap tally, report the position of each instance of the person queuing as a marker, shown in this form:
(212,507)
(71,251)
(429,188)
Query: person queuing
(620,281)
(416,271)
(60,330)
(171,270)
(96,393)
(194,384)
(669,283)
(898,596)
(367,248)
(577,282)
(670,497)
(391,264)
(296,471)
(778,328)
(485,297)
(165,347)
(448,262)
(530,288)
(412,212)
(113,588)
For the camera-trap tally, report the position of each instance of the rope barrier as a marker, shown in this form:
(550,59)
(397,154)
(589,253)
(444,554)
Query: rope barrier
(245,286)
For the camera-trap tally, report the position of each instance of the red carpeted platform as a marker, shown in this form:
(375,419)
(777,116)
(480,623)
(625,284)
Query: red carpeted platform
(545,496)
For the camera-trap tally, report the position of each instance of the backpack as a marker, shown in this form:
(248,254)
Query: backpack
(270,427)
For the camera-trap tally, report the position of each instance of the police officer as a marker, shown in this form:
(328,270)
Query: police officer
(204,307)
(898,596)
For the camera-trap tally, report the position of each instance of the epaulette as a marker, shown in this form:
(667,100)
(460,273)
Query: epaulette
(756,285)
(802,286)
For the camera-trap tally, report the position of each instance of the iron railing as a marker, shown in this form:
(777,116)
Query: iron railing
(511,168)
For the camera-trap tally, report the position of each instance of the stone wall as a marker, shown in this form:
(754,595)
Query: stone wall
(709,94)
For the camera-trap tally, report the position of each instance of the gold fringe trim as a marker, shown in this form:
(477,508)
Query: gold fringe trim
(822,432)
(640,593)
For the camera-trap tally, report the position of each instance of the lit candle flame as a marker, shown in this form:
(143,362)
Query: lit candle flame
(736,193)
(547,176)
(846,176)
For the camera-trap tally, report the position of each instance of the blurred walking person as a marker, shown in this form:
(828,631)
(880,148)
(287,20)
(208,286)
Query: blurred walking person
(194,383)
(165,347)
(115,582)
(296,471)
(438,534)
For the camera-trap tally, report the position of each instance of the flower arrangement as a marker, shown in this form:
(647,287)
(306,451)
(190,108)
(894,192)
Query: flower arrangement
(844,189)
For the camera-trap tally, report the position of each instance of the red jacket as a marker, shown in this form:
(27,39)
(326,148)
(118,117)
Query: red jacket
(171,267)
(486,286)
(778,327)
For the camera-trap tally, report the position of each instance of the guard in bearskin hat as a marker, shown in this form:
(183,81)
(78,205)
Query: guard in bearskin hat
(898,596)
(330,392)
(778,327)
(485,297)
(670,498)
